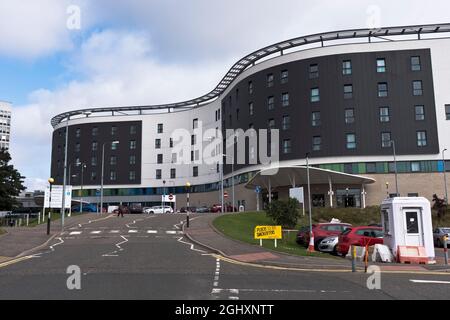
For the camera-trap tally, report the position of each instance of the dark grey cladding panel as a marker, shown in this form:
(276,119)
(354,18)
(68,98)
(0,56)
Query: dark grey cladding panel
(123,152)
(332,105)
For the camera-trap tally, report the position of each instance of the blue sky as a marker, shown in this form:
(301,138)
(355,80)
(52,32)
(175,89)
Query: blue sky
(124,48)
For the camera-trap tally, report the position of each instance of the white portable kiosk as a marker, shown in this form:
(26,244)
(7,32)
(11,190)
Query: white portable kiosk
(407,223)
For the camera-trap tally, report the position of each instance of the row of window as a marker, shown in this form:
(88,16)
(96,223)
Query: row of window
(113,145)
(95,131)
(347,69)
(421,141)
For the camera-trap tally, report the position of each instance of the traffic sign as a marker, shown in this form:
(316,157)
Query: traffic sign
(258,189)
(225,194)
(170,196)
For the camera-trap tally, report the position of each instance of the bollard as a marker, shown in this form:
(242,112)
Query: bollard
(187,220)
(446,249)
(353,258)
(48,224)
(366,259)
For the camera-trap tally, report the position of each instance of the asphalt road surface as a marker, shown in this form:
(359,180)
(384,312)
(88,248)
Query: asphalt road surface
(146,257)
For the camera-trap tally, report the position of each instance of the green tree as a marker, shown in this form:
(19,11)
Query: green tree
(284,212)
(11,182)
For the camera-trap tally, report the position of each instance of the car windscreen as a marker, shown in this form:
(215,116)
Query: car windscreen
(346,231)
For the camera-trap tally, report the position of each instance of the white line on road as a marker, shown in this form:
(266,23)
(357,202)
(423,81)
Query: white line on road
(74,233)
(171,232)
(114,231)
(95,232)
(430,281)
(113,254)
(192,246)
(132,231)
(152,231)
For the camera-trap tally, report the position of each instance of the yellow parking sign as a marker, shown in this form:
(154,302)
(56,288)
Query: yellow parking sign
(268,232)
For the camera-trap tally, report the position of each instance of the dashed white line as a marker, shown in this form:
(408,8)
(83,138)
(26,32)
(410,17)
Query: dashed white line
(430,281)
(114,231)
(132,231)
(95,232)
(74,233)
(171,232)
(152,231)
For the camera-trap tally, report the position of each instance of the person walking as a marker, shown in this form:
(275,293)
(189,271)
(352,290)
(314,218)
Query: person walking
(120,213)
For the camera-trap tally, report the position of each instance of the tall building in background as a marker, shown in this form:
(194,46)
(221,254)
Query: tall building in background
(5,124)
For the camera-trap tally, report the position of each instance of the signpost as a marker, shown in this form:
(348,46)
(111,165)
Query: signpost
(56,197)
(268,232)
(257,191)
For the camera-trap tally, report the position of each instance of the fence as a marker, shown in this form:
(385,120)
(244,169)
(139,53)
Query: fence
(18,219)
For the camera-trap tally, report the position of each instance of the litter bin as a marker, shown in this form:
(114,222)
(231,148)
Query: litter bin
(241,208)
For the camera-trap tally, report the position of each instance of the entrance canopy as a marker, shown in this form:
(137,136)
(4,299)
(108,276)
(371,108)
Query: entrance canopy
(296,175)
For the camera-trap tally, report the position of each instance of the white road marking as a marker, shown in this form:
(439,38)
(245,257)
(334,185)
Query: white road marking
(113,254)
(192,246)
(74,233)
(95,232)
(114,231)
(132,231)
(215,284)
(233,298)
(171,232)
(430,281)
(152,231)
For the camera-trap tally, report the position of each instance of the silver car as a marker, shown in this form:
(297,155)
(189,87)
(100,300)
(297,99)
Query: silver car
(438,235)
(329,244)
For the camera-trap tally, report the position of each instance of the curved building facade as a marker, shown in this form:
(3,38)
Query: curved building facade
(343,98)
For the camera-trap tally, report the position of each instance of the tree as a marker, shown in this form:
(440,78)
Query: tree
(11,182)
(284,212)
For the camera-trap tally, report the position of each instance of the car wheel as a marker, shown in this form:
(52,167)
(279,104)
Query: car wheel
(334,252)
(438,243)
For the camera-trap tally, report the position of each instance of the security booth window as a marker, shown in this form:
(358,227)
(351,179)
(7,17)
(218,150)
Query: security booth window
(412,223)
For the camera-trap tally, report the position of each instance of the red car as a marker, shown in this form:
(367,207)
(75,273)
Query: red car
(324,230)
(359,236)
(218,208)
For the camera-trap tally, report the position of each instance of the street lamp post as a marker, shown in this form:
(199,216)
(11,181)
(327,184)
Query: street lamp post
(103,173)
(163,198)
(63,205)
(50,181)
(83,165)
(395,168)
(309,197)
(445,176)
(188,185)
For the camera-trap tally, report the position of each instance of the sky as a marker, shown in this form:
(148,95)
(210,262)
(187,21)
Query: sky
(60,55)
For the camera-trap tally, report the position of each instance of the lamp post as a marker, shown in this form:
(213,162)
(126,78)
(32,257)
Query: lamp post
(445,176)
(188,185)
(164,195)
(395,168)
(63,204)
(50,181)
(309,197)
(103,172)
(83,166)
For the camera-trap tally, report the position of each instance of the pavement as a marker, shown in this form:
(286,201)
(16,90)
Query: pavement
(149,257)
(202,232)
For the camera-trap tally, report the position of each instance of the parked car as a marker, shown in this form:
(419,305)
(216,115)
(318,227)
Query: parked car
(218,208)
(438,235)
(324,230)
(329,244)
(159,209)
(88,207)
(136,208)
(202,209)
(301,235)
(359,236)
(185,209)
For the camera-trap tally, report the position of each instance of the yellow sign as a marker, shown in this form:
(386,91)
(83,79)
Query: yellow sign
(268,232)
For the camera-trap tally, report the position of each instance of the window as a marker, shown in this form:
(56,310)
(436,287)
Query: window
(77,147)
(250,87)
(195,123)
(94,146)
(447,111)
(285,99)
(250,109)
(315,119)
(419,112)
(132,144)
(413,194)
(158,174)
(93,161)
(421,138)
(132,175)
(160,128)
(315,96)
(270,103)
(193,140)
(77,132)
(173,173)
(349,116)
(132,160)
(371,167)
(415,166)
(271,123)
(284,76)
(93,176)
(381,65)
(392,167)
(112,176)
(417,88)
(346,67)
(348,91)
(286,146)
(113,146)
(382,89)
(317,143)
(170,143)
(133,129)
(384,114)
(174,158)
(286,124)
(385,139)
(113,130)
(269,80)
(313,71)
(113,160)
(415,63)
(159,158)
(95,131)
(157,143)
(195,171)
(218,112)
(192,155)
(351,141)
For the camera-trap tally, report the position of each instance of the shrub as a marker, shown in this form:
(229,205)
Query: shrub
(284,212)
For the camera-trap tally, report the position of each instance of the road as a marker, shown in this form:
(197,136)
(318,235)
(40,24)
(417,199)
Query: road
(146,257)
